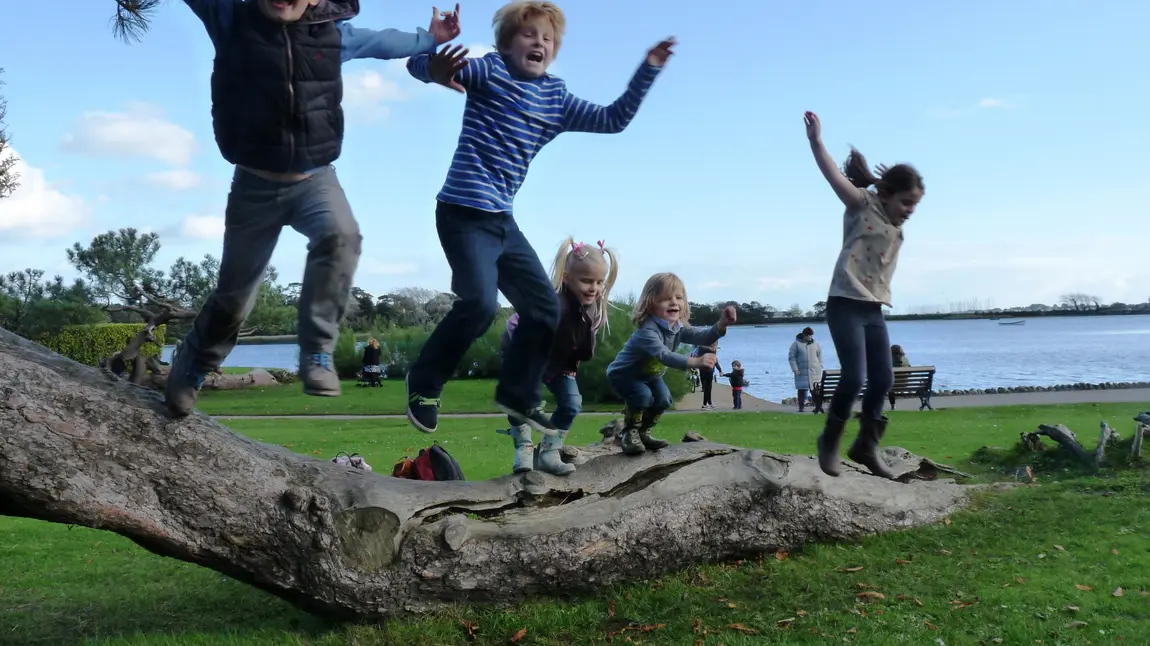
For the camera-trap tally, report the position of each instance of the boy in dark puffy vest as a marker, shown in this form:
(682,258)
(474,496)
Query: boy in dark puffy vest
(276,90)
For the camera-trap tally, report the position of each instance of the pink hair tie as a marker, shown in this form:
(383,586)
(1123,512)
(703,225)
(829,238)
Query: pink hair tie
(601,246)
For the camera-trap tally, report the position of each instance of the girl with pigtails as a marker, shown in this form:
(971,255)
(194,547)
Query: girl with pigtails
(582,276)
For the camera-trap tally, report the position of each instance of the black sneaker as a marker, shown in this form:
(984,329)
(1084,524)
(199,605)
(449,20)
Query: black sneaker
(535,418)
(422,412)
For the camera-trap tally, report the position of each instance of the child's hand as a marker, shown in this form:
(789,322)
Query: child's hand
(880,170)
(661,53)
(706,361)
(445,64)
(728,316)
(446,29)
(814,127)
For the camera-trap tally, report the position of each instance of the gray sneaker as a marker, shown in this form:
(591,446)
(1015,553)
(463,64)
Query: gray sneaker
(184,382)
(318,375)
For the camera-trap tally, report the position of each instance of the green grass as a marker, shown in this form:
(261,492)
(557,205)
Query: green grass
(59,583)
(459,396)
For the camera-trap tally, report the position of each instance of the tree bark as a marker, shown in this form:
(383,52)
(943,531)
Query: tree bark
(77,447)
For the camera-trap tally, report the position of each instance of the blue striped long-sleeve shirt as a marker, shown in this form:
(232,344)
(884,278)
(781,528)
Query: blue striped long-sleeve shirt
(506,121)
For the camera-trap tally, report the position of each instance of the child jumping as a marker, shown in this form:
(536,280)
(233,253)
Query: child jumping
(276,92)
(860,286)
(582,275)
(636,374)
(513,109)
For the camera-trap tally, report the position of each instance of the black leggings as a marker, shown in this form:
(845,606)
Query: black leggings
(862,344)
(707,379)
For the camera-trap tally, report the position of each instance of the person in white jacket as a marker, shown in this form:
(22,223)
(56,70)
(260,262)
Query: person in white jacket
(806,359)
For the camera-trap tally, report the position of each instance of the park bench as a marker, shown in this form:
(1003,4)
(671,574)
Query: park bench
(912,381)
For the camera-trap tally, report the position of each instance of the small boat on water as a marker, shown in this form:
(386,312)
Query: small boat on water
(1014,322)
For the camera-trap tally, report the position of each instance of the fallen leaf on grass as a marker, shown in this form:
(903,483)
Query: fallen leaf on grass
(731,605)
(1114,552)
(1071,609)
(801,613)
(853,630)
(930,625)
(959,604)
(1077,624)
(781,555)
(519,635)
(698,625)
(871,595)
(1020,580)
(470,627)
(945,552)
(1060,548)
(1084,588)
(1118,592)
(903,597)
(743,629)
(901,561)
(1144,593)
(611,608)
(946,522)
(857,568)
(316,453)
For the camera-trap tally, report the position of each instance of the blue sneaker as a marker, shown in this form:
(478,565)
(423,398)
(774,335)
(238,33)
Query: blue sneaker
(422,412)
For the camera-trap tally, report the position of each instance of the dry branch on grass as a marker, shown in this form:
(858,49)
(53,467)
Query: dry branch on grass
(1069,441)
(79,448)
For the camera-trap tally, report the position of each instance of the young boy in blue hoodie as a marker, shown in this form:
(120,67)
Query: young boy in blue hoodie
(276,91)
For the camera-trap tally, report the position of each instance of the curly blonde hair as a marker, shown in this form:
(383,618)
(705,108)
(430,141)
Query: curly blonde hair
(511,17)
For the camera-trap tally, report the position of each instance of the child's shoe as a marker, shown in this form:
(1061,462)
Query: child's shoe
(629,440)
(548,459)
(524,449)
(318,375)
(533,417)
(650,419)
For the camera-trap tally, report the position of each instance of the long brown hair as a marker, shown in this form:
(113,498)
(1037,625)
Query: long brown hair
(896,179)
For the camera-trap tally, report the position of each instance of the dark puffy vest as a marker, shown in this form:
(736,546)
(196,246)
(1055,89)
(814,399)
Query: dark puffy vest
(277,89)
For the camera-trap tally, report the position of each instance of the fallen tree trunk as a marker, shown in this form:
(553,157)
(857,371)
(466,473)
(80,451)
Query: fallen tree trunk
(77,447)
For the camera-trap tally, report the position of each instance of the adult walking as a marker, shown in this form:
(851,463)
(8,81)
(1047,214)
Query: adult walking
(806,359)
(706,375)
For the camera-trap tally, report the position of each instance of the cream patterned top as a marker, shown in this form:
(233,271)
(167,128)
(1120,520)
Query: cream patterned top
(870,252)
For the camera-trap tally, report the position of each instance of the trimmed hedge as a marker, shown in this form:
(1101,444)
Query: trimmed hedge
(88,344)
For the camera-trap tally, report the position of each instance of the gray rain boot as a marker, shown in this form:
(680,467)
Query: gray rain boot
(548,459)
(629,440)
(524,449)
(828,443)
(650,419)
(864,450)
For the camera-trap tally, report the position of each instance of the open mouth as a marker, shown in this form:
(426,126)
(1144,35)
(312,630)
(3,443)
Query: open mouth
(674,311)
(279,5)
(535,57)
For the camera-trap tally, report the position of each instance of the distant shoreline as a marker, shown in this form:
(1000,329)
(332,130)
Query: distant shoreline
(363,336)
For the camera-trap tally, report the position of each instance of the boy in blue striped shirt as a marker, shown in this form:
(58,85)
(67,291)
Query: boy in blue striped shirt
(513,109)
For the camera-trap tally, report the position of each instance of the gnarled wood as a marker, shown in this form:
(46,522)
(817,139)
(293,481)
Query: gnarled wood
(77,447)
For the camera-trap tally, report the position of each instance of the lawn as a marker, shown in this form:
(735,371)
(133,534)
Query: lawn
(459,396)
(1020,567)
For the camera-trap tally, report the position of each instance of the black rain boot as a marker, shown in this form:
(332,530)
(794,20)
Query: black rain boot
(630,441)
(864,450)
(650,419)
(828,443)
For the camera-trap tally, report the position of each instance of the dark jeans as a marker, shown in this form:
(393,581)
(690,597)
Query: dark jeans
(737,397)
(488,254)
(568,402)
(258,209)
(648,393)
(707,379)
(863,347)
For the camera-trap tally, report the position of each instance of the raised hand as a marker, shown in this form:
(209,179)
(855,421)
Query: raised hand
(728,316)
(880,170)
(445,64)
(444,26)
(658,55)
(814,127)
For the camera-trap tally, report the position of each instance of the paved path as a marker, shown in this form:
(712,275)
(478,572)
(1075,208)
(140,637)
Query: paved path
(722,398)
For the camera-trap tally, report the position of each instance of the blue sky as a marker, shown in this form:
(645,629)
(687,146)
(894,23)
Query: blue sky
(1027,120)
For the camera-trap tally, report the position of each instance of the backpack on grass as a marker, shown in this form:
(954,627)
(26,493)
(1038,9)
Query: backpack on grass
(432,463)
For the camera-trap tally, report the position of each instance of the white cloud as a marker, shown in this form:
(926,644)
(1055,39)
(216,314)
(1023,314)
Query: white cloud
(139,131)
(366,93)
(175,180)
(988,103)
(38,209)
(202,227)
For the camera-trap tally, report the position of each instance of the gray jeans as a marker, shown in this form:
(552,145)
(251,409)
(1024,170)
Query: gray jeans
(863,347)
(258,209)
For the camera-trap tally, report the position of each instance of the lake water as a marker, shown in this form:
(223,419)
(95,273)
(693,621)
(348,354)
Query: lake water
(967,354)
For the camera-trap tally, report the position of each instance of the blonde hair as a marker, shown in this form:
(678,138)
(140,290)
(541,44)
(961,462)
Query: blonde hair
(576,258)
(657,286)
(511,17)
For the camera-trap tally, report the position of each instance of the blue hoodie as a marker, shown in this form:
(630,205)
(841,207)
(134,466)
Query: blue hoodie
(651,348)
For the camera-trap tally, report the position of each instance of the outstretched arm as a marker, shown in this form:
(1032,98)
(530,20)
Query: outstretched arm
(852,196)
(216,16)
(359,42)
(471,75)
(584,116)
(701,335)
